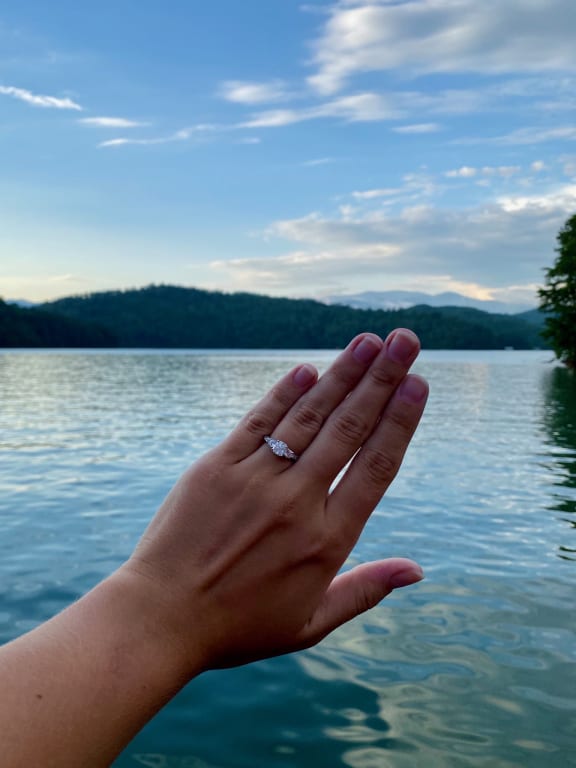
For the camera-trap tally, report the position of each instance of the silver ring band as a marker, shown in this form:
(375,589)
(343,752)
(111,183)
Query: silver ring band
(279,448)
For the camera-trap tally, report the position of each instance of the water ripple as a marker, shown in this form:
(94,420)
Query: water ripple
(473,667)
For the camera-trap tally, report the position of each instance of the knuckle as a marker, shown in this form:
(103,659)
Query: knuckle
(380,466)
(366,598)
(282,396)
(258,423)
(384,376)
(343,377)
(308,417)
(287,510)
(350,427)
(401,421)
(318,549)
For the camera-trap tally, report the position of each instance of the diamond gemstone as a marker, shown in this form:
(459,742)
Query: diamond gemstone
(278,447)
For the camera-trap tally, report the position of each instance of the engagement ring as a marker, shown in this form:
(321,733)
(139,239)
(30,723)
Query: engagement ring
(279,448)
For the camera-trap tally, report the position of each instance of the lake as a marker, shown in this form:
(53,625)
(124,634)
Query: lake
(475,666)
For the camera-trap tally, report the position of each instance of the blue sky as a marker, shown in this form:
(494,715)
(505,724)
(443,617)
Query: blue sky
(285,148)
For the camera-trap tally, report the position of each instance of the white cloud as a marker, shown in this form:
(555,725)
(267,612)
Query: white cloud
(538,166)
(361,107)
(242,92)
(494,247)
(417,128)
(466,172)
(394,105)
(356,108)
(182,135)
(562,199)
(371,194)
(318,161)
(275,118)
(111,122)
(504,171)
(432,36)
(250,140)
(37,100)
(524,136)
(141,142)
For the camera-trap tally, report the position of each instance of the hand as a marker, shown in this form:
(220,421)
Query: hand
(240,562)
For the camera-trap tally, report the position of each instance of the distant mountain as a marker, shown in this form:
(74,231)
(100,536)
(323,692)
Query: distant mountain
(163,316)
(407,299)
(534,317)
(21,303)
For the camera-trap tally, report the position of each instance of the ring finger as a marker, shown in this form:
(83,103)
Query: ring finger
(349,397)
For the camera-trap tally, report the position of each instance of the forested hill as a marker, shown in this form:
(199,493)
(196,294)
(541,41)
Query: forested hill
(20,327)
(168,316)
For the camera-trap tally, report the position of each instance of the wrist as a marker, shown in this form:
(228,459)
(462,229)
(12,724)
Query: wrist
(90,678)
(148,620)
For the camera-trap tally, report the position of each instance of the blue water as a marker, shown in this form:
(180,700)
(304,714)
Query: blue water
(473,667)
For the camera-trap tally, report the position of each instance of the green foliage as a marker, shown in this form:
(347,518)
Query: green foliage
(21,327)
(173,317)
(558,297)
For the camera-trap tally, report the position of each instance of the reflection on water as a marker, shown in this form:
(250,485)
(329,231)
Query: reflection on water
(473,667)
(560,422)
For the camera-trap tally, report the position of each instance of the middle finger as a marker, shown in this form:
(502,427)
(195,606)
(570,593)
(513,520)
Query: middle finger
(354,420)
(305,419)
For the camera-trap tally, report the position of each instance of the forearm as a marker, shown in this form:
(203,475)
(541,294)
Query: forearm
(77,689)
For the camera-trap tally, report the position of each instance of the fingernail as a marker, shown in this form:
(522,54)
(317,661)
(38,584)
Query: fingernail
(367,350)
(406,576)
(402,346)
(304,376)
(413,389)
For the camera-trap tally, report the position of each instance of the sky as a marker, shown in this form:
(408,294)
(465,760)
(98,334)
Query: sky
(284,148)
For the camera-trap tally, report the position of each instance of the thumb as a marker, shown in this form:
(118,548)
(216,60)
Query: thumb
(358,590)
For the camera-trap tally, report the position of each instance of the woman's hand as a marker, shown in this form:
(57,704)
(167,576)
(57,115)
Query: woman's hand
(240,562)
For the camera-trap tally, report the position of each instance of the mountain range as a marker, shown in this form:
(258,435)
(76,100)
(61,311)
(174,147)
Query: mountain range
(407,299)
(164,316)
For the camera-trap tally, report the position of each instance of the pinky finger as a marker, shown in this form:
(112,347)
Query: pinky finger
(378,461)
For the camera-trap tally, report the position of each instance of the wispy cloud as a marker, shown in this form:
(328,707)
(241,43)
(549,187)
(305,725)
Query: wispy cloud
(525,136)
(468,172)
(242,92)
(369,106)
(429,36)
(504,171)
(276,118)
(182,135)
(318,161)
(418,128)
(38,100)
(112,122)
(356,108)
(487,247)
(371,194)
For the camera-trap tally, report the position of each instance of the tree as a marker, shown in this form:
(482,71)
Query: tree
(558,297)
